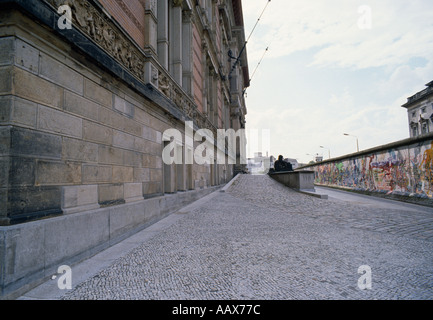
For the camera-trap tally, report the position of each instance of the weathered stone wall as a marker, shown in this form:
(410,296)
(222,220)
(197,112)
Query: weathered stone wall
(75,138)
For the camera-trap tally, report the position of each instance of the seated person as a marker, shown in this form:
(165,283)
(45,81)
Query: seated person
(281,165)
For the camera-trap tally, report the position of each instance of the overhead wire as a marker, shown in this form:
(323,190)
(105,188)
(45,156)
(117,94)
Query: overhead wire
(257,22)
(245,44)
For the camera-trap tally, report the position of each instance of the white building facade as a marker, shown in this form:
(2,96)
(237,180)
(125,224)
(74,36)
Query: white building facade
(420,111)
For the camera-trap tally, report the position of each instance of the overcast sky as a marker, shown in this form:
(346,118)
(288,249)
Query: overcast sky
(334,67)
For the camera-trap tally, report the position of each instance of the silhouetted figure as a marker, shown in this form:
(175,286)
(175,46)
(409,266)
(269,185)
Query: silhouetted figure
(281,165)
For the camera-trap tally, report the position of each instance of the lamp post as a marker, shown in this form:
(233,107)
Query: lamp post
(329,151)
(351,135)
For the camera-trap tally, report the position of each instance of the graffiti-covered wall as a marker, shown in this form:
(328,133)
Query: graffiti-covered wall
(401,168)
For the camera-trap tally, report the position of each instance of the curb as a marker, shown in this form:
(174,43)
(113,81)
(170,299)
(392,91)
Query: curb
(224,189)
(313,193)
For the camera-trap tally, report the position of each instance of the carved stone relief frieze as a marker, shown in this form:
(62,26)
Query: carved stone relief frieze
(164,85)
(99,29)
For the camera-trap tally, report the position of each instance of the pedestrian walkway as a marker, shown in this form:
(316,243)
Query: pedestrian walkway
(261,240)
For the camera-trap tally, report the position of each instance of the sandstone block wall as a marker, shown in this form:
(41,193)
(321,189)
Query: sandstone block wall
(72,136)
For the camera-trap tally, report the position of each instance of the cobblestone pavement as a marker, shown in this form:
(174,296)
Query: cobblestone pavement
(261,240)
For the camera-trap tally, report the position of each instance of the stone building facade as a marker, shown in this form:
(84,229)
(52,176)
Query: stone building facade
(88,90)
(420,111)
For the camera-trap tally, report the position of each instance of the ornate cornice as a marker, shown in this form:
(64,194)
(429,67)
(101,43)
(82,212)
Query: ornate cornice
(98,27)
(102,31)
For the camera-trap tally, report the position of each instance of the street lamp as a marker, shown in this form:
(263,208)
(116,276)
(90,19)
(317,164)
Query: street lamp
(329,151)
(351,135)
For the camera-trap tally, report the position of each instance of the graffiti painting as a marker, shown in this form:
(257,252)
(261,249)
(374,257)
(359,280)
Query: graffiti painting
(406,170)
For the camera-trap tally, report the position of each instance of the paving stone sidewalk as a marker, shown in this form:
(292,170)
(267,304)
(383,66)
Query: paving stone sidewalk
(261,240)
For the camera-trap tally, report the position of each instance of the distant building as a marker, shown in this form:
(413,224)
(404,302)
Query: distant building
(259,164)
(420,111)
(318,158)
